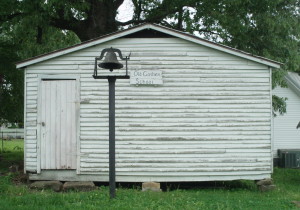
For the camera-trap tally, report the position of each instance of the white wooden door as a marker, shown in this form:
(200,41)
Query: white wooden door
(58,124)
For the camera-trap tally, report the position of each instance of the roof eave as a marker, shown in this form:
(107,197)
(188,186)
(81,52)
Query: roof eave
(159,28)
(218,46)
(80,46)
(293,83)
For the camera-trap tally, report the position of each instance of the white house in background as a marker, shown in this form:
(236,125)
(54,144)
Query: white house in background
(209,118)
(285,133)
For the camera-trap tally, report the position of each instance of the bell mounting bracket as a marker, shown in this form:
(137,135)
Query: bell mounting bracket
(106,50)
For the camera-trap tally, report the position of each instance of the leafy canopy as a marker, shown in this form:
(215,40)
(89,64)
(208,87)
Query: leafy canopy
(22,37)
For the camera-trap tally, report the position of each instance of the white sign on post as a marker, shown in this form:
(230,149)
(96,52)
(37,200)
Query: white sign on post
(146,77)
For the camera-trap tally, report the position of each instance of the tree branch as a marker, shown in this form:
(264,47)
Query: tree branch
(166,8)
(39,35)
(9,17)
(207,31)
(138,8)
(130,22)
(118,3)
(180,17)
(62,23)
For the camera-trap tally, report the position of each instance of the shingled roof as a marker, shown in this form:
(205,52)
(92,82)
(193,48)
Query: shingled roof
(293,80)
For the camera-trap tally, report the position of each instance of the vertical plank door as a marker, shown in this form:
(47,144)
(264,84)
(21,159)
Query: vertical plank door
(58,124)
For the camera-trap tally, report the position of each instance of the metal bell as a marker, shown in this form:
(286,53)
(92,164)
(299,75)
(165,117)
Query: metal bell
(110,62)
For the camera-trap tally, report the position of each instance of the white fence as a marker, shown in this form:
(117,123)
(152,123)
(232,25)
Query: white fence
(11,133)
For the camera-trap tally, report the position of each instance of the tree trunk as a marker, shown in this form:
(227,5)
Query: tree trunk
(101,20)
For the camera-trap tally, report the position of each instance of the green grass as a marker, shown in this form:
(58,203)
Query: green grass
(12,145)
(227,195)
(11,154)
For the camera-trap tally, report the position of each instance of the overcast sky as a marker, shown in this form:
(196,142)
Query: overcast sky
(125,11)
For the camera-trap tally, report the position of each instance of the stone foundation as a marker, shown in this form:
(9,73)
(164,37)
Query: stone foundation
(58,186)
(265,185)
(151,186)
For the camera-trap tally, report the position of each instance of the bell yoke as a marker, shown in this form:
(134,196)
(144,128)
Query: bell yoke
(110,62)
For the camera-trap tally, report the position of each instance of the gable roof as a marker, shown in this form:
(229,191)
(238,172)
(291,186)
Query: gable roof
(162,29)
(293,80)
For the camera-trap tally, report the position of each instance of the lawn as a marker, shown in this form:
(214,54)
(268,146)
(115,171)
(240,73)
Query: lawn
(11,153)
(220,195)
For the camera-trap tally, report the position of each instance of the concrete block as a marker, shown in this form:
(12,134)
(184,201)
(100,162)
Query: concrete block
(41,185)
(79,186)
(265,188)
(151,186)
(297,203)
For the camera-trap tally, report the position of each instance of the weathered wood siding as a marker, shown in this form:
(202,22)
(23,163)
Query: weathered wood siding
(30,125)
(285,133)
(210,120)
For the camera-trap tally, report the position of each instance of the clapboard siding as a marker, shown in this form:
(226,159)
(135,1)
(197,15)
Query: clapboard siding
(171,131)
(31,83)
(211,116)
(286,135)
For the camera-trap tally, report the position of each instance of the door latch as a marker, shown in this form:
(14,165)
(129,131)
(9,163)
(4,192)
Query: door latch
(42,123)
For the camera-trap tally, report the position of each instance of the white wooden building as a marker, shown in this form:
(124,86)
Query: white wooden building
(208,119)
(285,132)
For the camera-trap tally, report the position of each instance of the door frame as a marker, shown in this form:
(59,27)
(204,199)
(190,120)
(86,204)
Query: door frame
(77,114)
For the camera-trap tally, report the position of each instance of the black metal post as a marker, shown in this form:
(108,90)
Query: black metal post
(2,143)
(112,169)
(111,63)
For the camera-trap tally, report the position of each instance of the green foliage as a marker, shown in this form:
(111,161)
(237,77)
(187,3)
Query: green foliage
(11,85)
(23,36)
(279,105)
